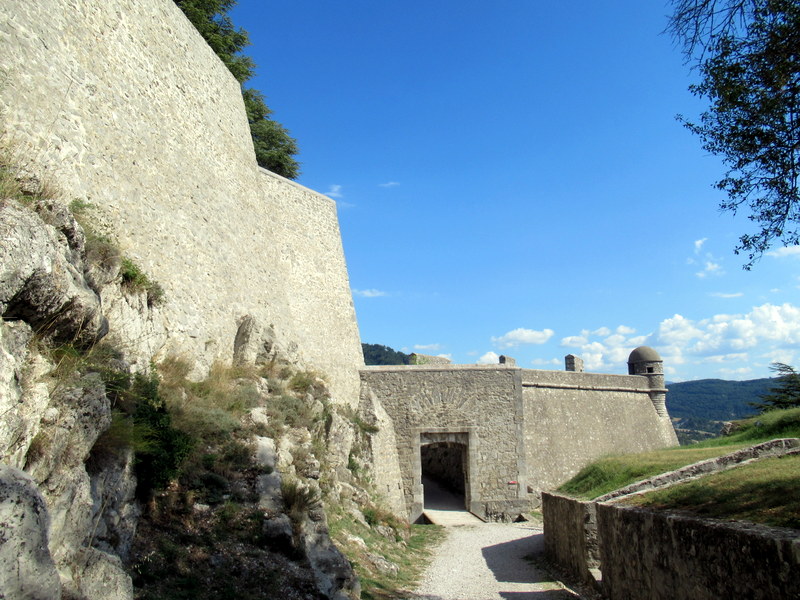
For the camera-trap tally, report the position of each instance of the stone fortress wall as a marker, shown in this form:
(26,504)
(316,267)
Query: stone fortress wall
(572,418)
(122,104)
(525,431)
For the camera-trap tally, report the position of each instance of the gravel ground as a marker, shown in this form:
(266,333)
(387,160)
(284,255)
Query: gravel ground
(487,562)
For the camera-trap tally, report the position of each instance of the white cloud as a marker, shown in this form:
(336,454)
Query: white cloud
(543,362)
(373,293)
(608,352)
(710,264)
(335,191)
(447,356)
(710,268)
(698,245)
(389,184)
(723,358)
(776,325)
(523,336)
(740,373)
(724,295)
(428,347)
(574,341)
(490,358)
(793,251)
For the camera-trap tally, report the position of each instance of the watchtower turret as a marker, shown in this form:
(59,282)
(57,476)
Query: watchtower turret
(646,361)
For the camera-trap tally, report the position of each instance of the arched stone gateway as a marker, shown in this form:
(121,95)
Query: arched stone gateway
(508,433)
(443,460)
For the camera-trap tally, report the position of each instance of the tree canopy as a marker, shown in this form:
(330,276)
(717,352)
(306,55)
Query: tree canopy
(785,393)
(748,56)
(275,148)
(378,354)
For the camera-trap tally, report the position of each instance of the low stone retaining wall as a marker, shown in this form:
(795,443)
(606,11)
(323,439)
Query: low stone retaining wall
(570,535)
(664,556)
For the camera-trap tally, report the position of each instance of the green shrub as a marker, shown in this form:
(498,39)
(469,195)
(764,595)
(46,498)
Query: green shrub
(167,447)
(134,279)
(302,382)
(298,499)
(100,249)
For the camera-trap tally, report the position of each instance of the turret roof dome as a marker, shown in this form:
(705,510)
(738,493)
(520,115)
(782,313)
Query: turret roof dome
(644,354)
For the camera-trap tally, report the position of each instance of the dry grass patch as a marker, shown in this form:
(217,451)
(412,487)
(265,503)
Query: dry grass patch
(411,550)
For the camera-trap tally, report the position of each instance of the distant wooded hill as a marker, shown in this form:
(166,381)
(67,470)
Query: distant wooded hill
(698,408)
(377,354)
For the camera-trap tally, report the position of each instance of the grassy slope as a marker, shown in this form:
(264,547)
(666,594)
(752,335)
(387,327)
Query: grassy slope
(767,491)
(734,494)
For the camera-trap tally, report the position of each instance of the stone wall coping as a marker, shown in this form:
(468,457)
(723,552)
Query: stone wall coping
(594,388)
(408,368)
(755,529)
(299,186)
(583,379)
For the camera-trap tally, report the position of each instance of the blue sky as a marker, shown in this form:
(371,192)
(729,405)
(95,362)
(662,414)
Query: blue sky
(511,179)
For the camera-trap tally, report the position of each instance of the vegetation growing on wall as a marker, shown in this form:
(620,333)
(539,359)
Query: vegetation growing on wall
(275,148)
(761,492)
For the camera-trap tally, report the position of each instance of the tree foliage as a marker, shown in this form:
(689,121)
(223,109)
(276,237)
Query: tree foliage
(785,393)
(748,55)
(275,148)
(378,354)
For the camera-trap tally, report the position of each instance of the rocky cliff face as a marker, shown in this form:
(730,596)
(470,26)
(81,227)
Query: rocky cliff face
(86,499)
(52,414)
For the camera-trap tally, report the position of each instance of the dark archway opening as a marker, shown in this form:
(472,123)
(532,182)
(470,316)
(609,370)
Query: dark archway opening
(444,475)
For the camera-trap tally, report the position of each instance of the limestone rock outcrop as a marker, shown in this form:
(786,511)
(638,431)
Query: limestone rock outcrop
(27,570)
(41,275)
(53,415)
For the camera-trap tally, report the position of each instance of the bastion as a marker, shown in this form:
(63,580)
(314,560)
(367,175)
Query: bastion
(122,105)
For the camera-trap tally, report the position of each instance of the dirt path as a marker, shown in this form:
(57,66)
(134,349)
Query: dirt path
(487,562)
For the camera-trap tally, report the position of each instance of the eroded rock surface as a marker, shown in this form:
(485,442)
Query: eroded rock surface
(27,571)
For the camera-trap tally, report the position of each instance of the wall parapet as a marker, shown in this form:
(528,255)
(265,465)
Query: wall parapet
(594,388)
(670,556)
(434,367)
(570,536)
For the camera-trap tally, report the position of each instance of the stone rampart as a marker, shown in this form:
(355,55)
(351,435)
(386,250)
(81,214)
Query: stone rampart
(666,556)
(572,418)
(526,431)
(122,104)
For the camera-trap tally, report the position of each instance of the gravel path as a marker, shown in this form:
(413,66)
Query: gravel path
(486,562)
